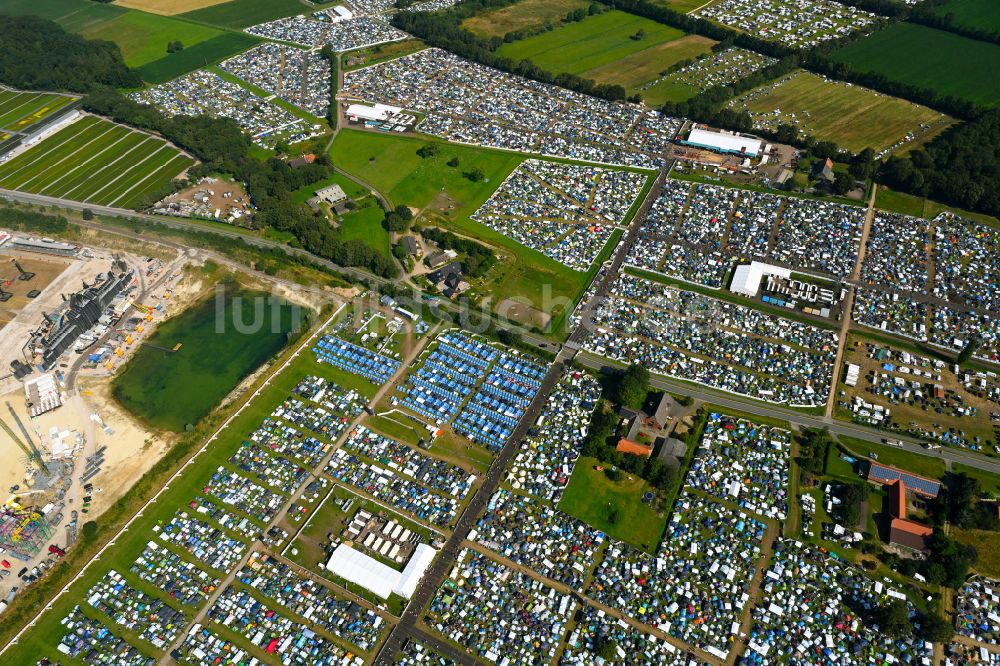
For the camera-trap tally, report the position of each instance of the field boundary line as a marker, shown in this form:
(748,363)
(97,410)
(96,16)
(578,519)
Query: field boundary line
(143,181)
(77,186)
(83,163)
(166,486)
(42,155)
(123,175)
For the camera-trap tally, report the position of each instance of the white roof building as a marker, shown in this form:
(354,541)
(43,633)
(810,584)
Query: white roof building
(360,569)
(378,112)
(747,277)
(724,142)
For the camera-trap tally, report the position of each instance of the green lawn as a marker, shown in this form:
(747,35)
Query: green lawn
(391,165)
(615,508)
(929,466)
(239,14)
(853,117)
(976,14)
(942,61)
(365,225)
(594,42)
(520,15)
(170,390)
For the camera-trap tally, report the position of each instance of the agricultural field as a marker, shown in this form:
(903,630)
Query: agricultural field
(942,61)
(73,15)
(239,14)
(95,161)
(390,164)
(143,40)
(853,117)
(604,47)
(521,15)
(20,110)
(167,7)
(979,14)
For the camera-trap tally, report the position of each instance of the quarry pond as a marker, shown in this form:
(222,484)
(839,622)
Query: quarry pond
(195,358)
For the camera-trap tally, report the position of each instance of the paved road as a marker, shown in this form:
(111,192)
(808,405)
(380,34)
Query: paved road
(777,411)
(449,553)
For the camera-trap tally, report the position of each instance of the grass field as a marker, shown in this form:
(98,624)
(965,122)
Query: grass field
(614,507)
(520,15)
(685,6)
(143,37)
(983,14)
(171,390)
(240,14)
(200,55)
(853,117)
(95,161)
(988,546)
(365,225)
(920,56)
(909,204)
(391,165)
(19,110)
(599,42)
(645,66)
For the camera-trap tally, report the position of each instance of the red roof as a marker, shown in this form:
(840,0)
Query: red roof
(633,448)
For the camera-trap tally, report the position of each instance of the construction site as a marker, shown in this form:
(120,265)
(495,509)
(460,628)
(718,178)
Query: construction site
(70,315)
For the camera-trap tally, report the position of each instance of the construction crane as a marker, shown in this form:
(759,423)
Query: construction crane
(29,449)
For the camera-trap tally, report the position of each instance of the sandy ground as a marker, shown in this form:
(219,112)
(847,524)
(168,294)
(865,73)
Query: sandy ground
(167,7)
(132,449)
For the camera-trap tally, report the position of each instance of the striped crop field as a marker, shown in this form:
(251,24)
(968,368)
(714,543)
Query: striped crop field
(95,161)
(19,110)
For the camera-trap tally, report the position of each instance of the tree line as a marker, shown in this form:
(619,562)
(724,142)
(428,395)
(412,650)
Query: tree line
(37,54)
(477,260)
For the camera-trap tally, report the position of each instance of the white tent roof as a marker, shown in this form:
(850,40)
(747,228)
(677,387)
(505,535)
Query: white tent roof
(725,141)
(747,277)
(414,571)
(358,568)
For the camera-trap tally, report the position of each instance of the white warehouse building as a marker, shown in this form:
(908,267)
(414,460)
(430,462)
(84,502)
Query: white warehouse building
(724,142)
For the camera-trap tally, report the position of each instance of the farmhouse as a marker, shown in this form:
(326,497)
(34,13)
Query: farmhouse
(902,531)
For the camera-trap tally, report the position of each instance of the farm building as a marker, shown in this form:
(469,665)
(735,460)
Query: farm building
(724,142)
(903,531)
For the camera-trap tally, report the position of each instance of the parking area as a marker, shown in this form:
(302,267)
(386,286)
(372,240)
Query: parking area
(206,93)
(565,211)
(469,103)
(721,344)
(795,23)
(354,33)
